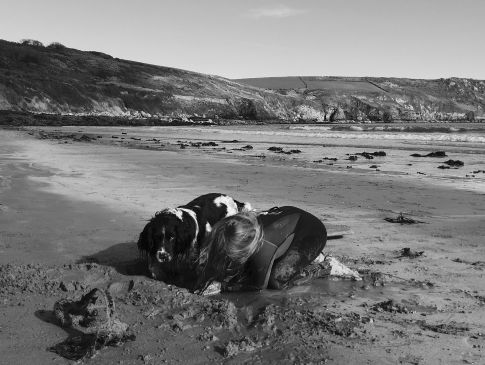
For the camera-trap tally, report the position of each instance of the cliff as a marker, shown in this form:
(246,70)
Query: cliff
(384,99)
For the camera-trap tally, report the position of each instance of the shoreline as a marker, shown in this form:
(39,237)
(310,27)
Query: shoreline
(170,139)
(13,118)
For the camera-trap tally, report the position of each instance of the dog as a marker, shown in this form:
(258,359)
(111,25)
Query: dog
(170,240)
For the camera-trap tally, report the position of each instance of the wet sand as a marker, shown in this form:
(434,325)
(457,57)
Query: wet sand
(65,202)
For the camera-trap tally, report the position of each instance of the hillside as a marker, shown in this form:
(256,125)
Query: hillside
(61,80)
(66,81)
(384,99)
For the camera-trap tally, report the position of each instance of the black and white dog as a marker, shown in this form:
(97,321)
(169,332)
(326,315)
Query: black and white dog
(170,240)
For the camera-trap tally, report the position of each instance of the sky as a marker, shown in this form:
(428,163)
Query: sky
(260,38)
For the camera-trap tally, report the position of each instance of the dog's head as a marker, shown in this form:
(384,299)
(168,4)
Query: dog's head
(168,234)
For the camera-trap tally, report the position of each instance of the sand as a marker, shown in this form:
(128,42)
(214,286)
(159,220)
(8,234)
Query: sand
(64,204)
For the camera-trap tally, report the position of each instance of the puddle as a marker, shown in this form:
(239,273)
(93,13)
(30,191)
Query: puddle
(327,291)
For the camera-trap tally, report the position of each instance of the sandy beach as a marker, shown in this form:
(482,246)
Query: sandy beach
(71,211)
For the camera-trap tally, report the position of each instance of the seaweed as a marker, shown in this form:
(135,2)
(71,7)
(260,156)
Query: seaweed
(402,220)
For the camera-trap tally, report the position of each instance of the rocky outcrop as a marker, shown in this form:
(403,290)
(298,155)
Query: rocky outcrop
(386,99)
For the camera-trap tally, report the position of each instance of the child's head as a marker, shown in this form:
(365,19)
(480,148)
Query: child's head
(229,245)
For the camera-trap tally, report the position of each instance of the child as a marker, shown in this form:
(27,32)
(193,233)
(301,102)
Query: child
(250,251)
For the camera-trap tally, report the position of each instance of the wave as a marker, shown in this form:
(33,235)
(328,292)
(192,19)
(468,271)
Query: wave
(310,127)
(321,133)
(399,128)
(470,138)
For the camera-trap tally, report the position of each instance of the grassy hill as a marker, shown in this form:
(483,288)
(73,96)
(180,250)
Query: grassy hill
(384,99)
(66,81)
(61,80)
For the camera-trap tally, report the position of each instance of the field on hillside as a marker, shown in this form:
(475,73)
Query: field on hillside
(314,83)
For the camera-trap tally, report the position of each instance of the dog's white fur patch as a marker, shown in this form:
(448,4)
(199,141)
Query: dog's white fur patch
(192,214)
(229,202)
(175,211)
(247,207)
(208,227)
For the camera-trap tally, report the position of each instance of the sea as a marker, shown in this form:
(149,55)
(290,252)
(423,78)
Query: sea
(330,147)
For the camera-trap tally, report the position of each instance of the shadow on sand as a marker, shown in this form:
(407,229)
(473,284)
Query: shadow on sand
(123,257)
(73,334)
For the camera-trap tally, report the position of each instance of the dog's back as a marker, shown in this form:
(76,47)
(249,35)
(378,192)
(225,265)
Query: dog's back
(211,208)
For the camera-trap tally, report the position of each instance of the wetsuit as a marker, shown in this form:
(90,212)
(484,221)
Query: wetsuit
(292,239)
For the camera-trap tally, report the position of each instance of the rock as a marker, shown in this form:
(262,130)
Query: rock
(380,153)
(117,287)
(85,138)
(407,252)
(431,154)
(245,344)
(67,286)
(330,266)
(94,322)
(337,114)
(208,336)
(222,313)
(455,163)
(452,327)
(390,306)
(212,289)
(367,320)
(371,155)
(177,326)
(436,154)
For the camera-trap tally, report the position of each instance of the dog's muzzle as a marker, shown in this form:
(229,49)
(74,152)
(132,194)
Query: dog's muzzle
(163,256)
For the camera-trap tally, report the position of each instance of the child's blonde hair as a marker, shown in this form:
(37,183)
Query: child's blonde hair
(229,245)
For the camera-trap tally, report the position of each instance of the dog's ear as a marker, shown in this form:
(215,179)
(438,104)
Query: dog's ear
(186,235)
(145,241)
